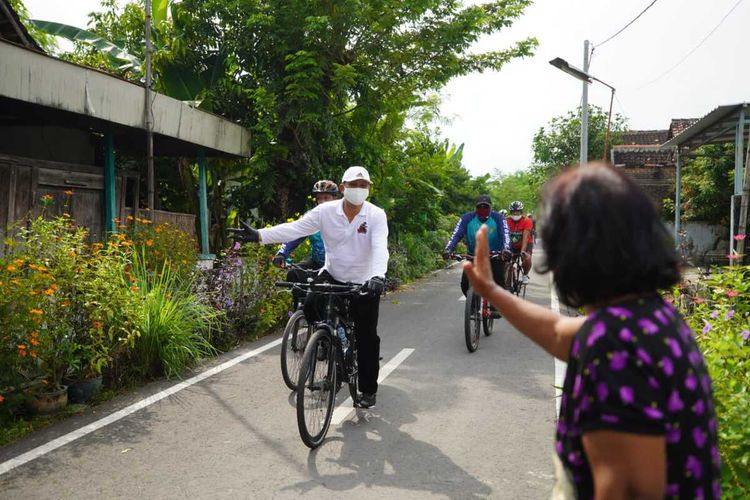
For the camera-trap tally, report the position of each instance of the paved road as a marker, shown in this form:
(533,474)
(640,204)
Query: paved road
(448,424)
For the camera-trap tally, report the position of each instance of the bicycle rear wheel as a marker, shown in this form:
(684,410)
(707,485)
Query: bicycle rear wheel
(472,320)
(488,321)
(352,373)
(293,345)
(316,389)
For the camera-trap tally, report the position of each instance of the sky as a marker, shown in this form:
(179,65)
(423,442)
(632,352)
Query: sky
(496,114)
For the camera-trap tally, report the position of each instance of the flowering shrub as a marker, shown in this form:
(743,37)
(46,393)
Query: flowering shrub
(718,307)
(242,285)
(162,242)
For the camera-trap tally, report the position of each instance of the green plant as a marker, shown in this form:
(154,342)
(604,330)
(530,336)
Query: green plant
(160,243)
(718,308)
(174,327)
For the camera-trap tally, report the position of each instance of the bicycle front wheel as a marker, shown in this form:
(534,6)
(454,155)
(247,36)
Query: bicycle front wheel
(293,348)
(472,320)
(316,389)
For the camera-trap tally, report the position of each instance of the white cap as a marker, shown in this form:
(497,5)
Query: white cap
(354,173)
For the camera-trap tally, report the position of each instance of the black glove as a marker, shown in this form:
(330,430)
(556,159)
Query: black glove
(279,260)
(375,286)
(447,255)
(505,255)
(244,234)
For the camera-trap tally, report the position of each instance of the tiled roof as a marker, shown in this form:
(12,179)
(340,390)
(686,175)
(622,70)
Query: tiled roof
(640,156)
(644,137)
(679,125)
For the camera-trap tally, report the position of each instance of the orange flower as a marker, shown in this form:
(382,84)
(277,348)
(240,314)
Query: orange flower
(168,295)
(66,215)
(68,192)
(66,303)
(10,268)
(18,262)
(149,243)
(34,340)
(14,281)
(38,312)
(98,325)
(134,289)
(33,354)
(1,398)
(120,236)
(47,198)
(147,222)
(49,291)
(130,217)
(96,247)
(127,243)
(158,229)
(22,350)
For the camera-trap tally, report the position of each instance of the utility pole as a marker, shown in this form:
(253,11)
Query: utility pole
(148,115)
(585,108)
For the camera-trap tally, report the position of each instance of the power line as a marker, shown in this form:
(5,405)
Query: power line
(627,25)
(696,47)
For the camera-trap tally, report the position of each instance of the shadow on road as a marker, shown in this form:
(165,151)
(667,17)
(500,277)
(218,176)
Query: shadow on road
(376,452)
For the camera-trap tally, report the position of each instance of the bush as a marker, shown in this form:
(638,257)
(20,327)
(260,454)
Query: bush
(242,286)
(174,327)
(163,242)
(414,255)
(718,307)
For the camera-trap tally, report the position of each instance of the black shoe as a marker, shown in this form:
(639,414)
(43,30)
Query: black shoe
(367,400)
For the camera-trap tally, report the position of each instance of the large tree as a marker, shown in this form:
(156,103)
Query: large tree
(557,145)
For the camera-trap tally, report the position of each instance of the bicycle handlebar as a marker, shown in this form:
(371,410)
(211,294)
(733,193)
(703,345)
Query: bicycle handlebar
(459,256)
(332,288)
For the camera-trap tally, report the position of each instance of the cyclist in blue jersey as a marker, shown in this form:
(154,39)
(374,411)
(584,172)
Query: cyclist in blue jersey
(323,191)
(498,236)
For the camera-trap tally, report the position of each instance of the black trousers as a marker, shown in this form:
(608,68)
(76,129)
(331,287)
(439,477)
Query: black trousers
(363,311)
(498,274)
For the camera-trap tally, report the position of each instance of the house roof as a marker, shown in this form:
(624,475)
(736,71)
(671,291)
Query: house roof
(717,127)
(13,30)
(37,89)
(679,125)
(641,156)
(644,137)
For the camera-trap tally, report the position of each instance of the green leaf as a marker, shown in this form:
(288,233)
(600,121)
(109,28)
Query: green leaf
(159,10)
(109,49)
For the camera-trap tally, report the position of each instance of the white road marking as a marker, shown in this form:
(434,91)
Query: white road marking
(344,409)
(560,366)
(37,452)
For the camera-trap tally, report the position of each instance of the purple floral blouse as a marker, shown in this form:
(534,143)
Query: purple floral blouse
(635,367)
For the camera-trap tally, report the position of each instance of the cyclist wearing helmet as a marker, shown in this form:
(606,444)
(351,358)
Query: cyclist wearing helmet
(467,227)
(323,191)
(521,239)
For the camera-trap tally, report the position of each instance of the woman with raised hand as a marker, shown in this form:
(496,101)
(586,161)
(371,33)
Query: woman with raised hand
(636,417)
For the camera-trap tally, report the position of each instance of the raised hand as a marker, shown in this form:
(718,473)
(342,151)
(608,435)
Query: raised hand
(244,234)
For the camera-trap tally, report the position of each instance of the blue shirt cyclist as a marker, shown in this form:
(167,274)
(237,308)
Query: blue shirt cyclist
(467,227)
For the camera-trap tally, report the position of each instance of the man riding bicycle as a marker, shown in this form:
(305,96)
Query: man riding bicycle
(355,235)
(323,191)
(467,228)
(521,238)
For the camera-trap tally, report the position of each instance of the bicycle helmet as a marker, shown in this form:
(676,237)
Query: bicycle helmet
(504,212)
(516,206)
(325,186)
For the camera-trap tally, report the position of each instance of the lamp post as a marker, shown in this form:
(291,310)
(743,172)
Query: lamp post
(586,78)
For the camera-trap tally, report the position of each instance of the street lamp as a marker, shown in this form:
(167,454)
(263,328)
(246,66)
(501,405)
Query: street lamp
(586,78)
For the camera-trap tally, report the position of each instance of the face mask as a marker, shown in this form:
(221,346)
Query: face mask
(483,212)
(515,218)
(356,196)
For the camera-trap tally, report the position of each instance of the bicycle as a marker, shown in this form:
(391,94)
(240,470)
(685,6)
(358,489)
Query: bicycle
(326,363)
(294,339)
(478,314)
(514,276)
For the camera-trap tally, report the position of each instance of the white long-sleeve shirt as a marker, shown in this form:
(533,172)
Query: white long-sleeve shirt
(355,251)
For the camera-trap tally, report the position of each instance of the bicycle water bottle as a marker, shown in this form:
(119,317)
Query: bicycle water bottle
(341,332)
